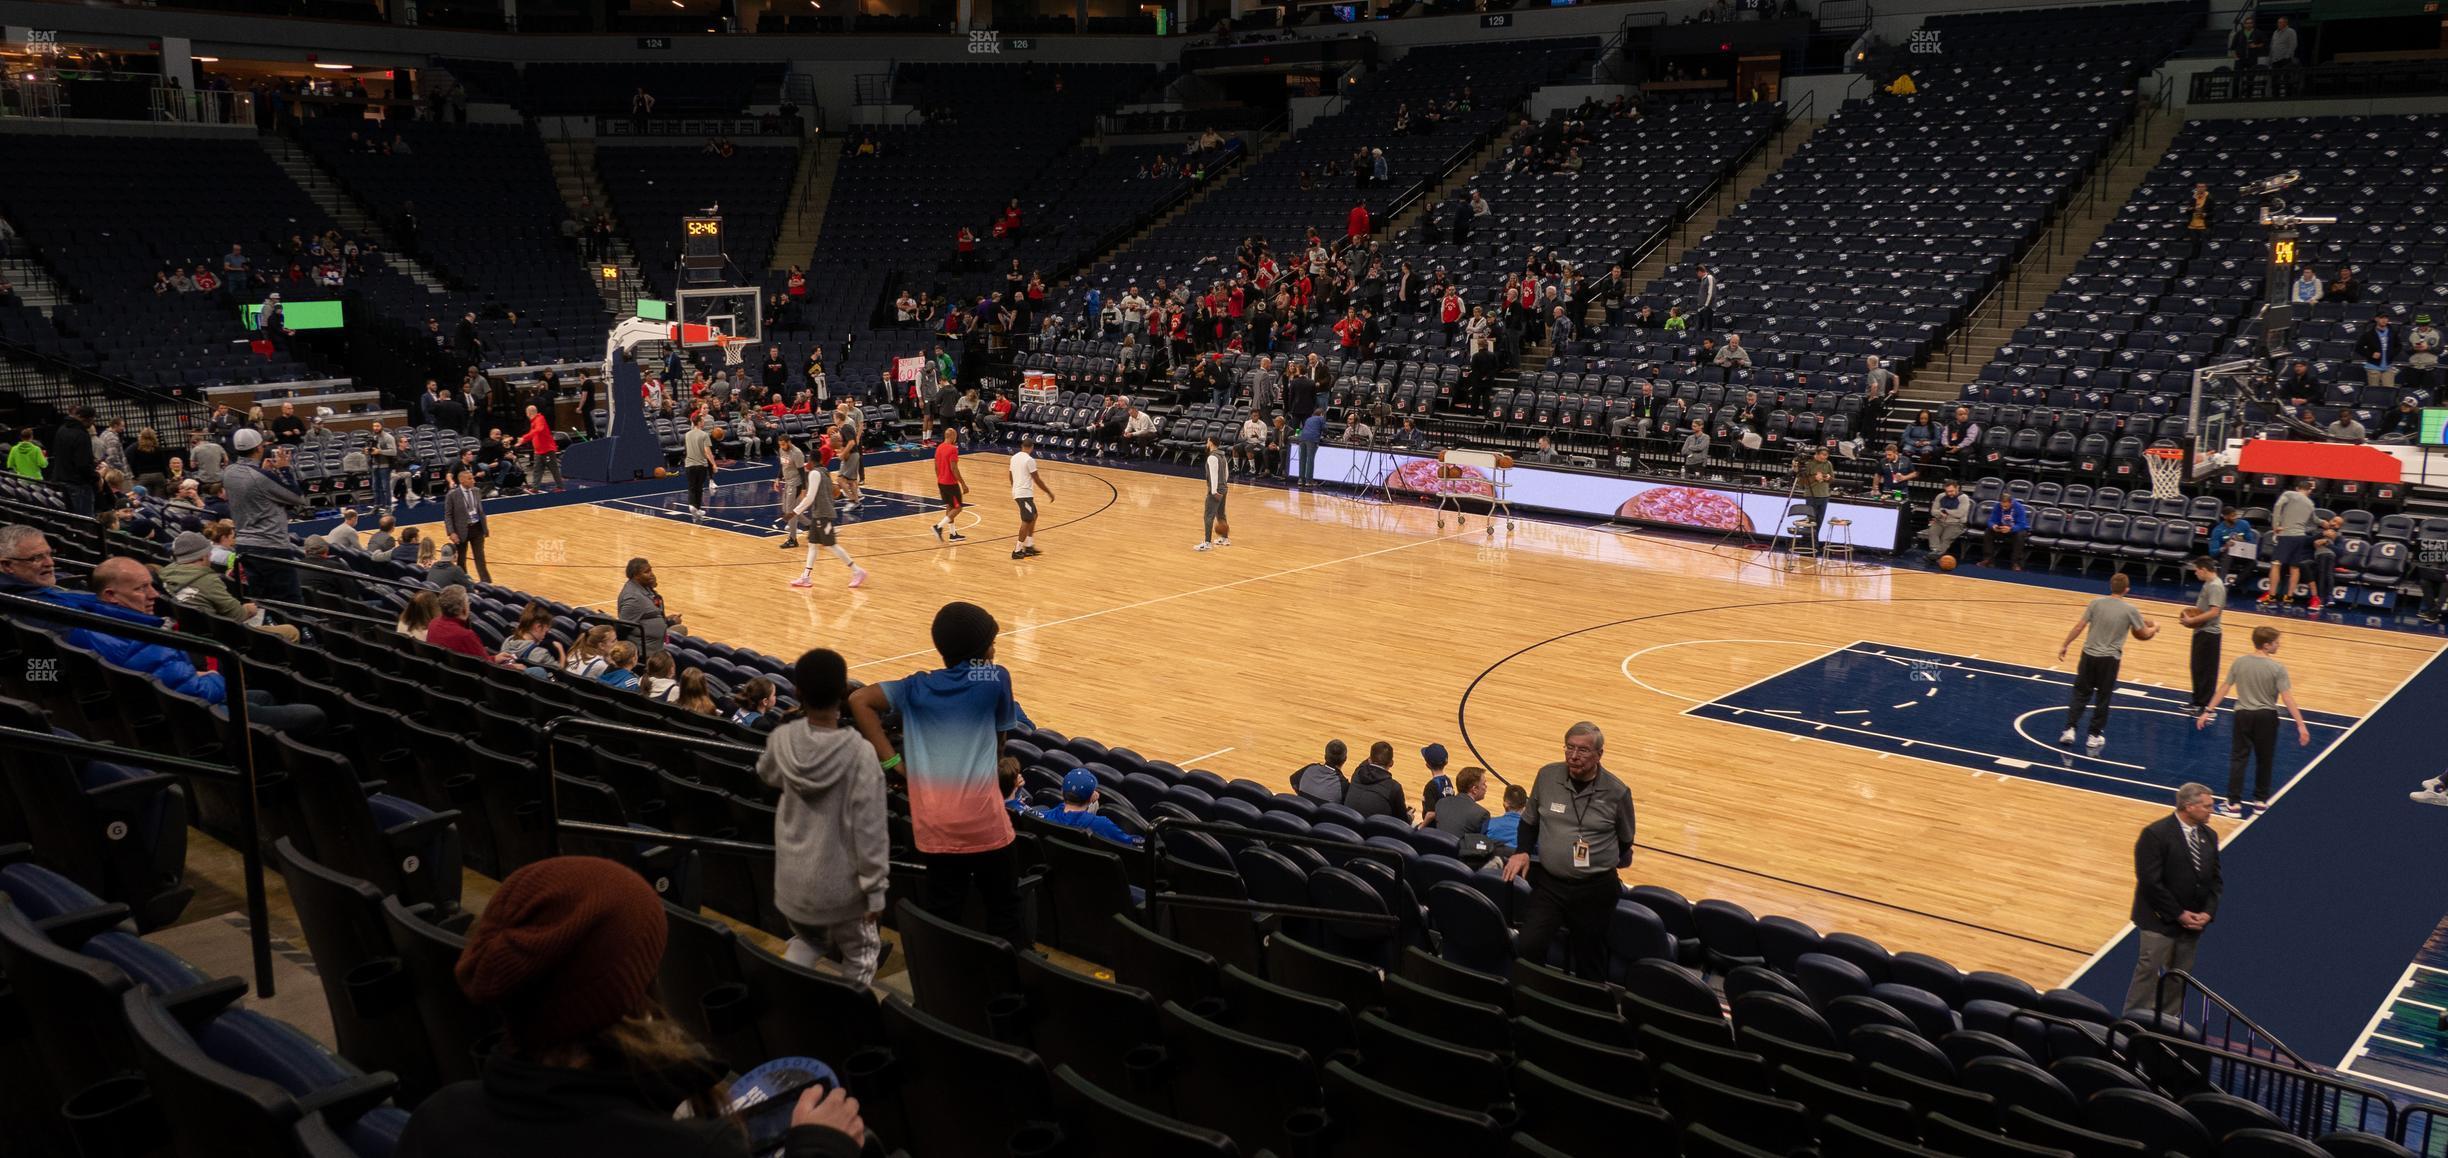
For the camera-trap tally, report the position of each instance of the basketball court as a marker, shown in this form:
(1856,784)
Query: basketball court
(1870,752)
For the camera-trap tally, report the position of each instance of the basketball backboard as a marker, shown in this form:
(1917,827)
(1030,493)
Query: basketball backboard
(706,316)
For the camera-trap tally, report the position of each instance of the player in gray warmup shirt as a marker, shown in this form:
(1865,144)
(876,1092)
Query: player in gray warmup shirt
(2109,619)
(2260,684)
(2208,610)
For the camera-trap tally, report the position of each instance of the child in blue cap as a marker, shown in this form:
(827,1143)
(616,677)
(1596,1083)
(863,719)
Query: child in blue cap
(1079,792)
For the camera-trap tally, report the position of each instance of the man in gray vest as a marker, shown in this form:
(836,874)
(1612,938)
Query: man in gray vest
(1576,835)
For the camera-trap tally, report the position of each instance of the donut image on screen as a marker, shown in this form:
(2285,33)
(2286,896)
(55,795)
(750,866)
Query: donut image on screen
(1420,476)
(1687,507)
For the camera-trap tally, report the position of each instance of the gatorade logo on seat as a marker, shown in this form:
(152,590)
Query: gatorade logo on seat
(410,864)
(115,830)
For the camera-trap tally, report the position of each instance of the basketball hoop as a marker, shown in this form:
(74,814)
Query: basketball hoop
(2166,463)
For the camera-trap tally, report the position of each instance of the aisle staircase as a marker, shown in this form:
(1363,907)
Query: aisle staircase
(1269,140)
(573,166)
(34,284)
(811,192)
(1992,324)
(1693,230)
(325,191)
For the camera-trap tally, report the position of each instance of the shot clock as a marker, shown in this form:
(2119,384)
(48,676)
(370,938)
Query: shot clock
(701,249)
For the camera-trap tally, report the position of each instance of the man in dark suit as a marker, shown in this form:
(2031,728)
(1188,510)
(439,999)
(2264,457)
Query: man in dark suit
(463,517)
(2176,891)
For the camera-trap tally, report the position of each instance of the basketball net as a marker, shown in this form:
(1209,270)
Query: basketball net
(2166,465)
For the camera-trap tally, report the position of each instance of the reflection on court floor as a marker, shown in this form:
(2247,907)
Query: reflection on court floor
(754,507)
(1995,717)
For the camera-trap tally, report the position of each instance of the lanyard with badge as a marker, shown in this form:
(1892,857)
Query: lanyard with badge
(1580,815)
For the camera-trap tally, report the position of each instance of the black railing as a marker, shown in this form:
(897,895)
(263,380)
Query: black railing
(1161,825)
(41,615)
(2222,1025)
(2422,1128)
(555,825)
(154,407)
(2363,79)
(2310,1102)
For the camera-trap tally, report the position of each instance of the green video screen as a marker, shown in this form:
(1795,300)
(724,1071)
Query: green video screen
(298,316)
(2435,426)
(653,310)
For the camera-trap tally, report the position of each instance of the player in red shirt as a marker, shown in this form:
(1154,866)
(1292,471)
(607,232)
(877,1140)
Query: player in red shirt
(948,482)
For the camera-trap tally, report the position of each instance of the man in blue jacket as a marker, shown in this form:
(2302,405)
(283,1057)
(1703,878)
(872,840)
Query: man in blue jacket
(2229,529)
(1312,433)
(2010,527)
(123,589)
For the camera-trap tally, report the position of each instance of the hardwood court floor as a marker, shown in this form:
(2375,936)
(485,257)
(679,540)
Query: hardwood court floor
(1329,618)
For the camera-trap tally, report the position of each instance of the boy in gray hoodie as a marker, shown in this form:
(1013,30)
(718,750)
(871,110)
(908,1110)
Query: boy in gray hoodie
(831,848)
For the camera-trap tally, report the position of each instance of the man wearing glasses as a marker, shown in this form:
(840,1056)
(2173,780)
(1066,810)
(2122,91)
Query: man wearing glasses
(1575,836)
(123,589)
(26,566)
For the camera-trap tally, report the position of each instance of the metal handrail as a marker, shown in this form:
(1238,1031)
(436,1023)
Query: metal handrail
(555,825)
(2311,1102)
(2186,988)
(1163,824)
(32,611)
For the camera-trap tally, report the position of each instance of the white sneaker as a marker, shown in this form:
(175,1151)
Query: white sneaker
(803,581)
(1223,542)
(2436,783)
(2095,743)
(1203,547)
(2432,796)
(2066,737)
(858,576)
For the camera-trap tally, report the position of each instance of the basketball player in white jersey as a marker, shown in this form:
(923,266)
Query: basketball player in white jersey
(1025,485)
(816,510)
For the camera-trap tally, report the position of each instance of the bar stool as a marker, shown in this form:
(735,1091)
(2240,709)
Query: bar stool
(1801,538)
(1837,547)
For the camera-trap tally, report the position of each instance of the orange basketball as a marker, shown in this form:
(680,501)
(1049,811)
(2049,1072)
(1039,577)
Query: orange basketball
(1222,530)
(721,434)
(1946,562)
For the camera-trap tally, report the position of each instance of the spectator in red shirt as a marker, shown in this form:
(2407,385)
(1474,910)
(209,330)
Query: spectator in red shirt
(1011,217)
(1347,331)
(1357,225)
(450,630)
(539,441)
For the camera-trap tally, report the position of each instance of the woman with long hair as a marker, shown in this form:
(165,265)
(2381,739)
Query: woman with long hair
(567,952)
(423,608)
(589,654)
(530,644)
(656,678)
(693,695)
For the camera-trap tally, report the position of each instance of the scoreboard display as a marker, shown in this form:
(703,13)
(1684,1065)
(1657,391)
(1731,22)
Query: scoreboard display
(701,249)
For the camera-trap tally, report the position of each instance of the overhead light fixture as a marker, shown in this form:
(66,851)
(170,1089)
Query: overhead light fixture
(206,59)
(335,67)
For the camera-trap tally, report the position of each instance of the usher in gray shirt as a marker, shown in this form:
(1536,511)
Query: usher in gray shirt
(1561,812)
